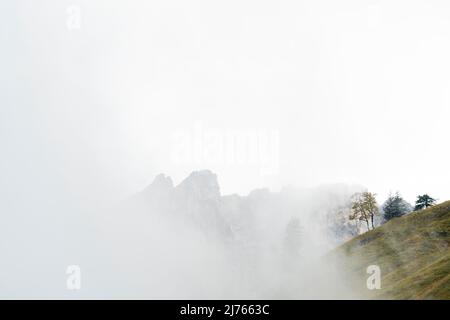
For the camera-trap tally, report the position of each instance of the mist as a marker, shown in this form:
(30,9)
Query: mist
(184,242)
(235,251)
(293,106)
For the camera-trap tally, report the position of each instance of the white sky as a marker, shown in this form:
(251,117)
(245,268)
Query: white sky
(358,92)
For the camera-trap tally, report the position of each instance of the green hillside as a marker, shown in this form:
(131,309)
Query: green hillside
(413,253)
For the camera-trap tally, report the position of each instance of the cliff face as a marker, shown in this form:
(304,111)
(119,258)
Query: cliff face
(240,246)
(260,217)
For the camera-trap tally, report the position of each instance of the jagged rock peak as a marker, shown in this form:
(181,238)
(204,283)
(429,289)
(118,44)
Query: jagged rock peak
(202,182)
(258,193)
(161,181)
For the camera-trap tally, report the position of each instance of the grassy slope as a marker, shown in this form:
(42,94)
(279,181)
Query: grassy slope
(413,253)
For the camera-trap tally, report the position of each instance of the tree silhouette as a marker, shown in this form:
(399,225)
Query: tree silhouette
(395,206)
(424,201)
(364,208)
(293,238)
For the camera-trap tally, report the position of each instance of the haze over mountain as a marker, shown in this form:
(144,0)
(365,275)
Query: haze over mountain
(100,96)
(198,200)
(190,241)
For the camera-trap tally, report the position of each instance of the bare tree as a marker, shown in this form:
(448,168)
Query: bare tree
(364,208)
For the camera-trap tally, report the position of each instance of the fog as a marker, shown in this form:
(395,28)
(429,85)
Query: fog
(181,243)
(99,97)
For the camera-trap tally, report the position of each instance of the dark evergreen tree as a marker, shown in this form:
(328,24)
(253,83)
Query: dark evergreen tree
(395,206)
(293,237)
(424,201)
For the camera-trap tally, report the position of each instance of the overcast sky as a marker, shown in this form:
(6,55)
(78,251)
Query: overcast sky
(97,97)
